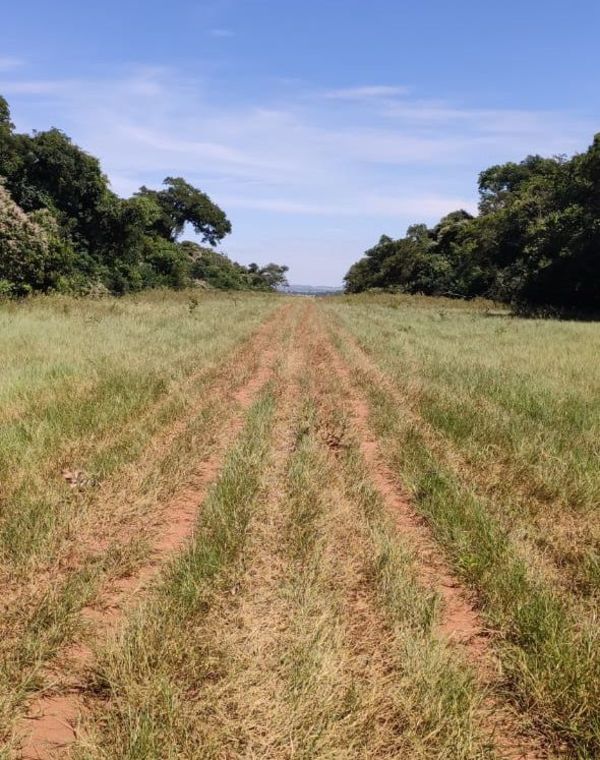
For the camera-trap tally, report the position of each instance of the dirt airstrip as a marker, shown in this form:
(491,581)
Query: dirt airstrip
(289,580)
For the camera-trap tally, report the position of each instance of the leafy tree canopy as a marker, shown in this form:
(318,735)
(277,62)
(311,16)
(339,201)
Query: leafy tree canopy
(62,227)
(535,242)
(5,122)
(181,203)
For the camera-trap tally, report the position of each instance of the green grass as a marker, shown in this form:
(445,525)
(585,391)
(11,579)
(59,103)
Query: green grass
(150,676)
(77,378)
(476,403)
(513,406)
(524,391)
(121,390)
(299,621)
(293,626)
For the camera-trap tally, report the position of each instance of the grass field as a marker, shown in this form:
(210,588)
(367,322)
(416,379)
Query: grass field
(273,527)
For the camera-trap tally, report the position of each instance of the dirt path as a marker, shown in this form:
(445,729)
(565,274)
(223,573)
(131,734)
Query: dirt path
(241,706)
(302,659)
(50,726)
(310,663)
(237,382)
(459,621)
(546,553)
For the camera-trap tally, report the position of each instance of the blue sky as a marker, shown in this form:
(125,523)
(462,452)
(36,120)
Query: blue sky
(317,126)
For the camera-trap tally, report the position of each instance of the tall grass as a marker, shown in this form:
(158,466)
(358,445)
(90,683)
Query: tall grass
(76,375)
(115,391)
(477,401)
(515,404)
(297,622)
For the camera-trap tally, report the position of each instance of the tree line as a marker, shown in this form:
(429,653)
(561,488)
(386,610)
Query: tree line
(63,229)
(535,242)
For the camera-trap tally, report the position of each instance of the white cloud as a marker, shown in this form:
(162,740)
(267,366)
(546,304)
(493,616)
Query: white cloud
(294,166)
(417,205)
(36,87)
(152,119)
(282,205)
(367,92)
(496,121)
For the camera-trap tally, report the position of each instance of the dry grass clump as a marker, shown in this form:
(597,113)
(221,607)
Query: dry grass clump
(493,425)
(152,676)
(106,413)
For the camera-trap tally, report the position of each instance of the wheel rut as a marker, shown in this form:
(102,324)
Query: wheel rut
(50,726)
(256,627)
(459,622)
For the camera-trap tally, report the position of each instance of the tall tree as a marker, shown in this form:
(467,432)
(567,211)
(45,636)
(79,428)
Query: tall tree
(180,204)
(62,227)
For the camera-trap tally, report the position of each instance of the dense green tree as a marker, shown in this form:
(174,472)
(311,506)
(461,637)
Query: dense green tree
(542,237)
(64,228)
(7,140)
(48,170)
(535,242)
(215,269)
(32,254)
(269,277)
(180,204)
(218,271)
(413,264)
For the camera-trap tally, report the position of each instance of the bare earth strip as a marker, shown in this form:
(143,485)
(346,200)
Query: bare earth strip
(550,566)
(239,707)
(298,658)
(302,657)
(51,723)
(459,620)
(124,509)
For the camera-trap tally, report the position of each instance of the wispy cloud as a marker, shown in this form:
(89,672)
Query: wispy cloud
(36,87)
(224,33)
(367,92)
(8,63)
(374,205)
(152,118)
(295,167)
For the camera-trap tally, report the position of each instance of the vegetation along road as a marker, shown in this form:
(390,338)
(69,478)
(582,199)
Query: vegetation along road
(275,527)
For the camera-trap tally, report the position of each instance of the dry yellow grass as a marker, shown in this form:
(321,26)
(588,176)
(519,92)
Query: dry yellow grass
(294,529)
(296,653)
(136,447)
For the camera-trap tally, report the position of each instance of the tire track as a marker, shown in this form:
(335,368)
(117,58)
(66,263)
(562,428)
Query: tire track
(240,706)
(92,530)
(50,726)
(548,560)
(460,623)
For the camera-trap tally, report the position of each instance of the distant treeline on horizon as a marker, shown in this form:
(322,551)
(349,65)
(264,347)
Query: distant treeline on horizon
(311,290)
(535,242)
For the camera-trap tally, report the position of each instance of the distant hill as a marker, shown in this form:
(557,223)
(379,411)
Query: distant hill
(311,290)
